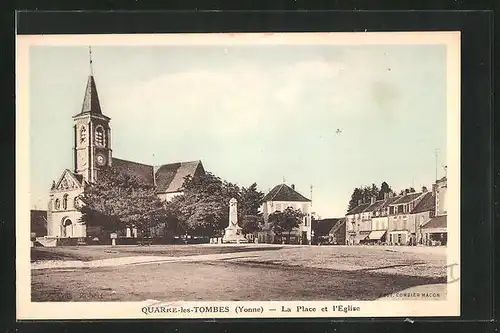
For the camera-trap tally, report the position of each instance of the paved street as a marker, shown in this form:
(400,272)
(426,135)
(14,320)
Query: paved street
(250,272)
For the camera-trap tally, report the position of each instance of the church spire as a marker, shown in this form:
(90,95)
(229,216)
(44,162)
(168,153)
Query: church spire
(91,99)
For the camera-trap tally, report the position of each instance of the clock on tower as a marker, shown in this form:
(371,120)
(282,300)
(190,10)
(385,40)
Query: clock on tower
(101,159)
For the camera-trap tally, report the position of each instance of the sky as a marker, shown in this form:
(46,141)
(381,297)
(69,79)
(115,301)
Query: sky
(252,113)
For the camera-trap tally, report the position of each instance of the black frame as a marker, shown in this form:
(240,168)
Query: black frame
(476,128)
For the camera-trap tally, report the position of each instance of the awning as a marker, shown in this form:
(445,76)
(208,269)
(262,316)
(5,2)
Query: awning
(376,235)
(397,232)
(437,222)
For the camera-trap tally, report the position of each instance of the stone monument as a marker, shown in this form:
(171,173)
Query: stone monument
(233,233)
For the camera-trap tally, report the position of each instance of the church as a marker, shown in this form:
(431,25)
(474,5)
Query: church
(93,151)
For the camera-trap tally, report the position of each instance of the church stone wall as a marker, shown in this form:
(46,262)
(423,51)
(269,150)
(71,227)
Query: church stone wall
(59,215)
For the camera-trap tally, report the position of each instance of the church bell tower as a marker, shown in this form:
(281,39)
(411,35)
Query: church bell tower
(92,134)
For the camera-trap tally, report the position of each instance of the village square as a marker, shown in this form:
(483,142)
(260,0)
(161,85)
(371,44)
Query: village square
(177,231)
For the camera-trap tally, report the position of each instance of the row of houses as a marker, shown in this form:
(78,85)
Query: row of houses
(409,219)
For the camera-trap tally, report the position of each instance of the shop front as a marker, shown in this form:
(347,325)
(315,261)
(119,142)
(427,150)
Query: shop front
(376,237)
(361,237)
(434,232)
(399,237)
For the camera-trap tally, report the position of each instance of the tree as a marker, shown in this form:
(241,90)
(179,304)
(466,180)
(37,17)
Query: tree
(203,209)
(285,221)
(366,193)
(249,209)
(118,201)
(251,223)
(384,188)
(356,195)
(369,192)
(250,200)
(407,191)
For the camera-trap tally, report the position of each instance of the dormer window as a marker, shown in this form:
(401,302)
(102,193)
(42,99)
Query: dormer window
(99,136)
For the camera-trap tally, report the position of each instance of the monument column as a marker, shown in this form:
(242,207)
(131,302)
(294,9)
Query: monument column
(233,233)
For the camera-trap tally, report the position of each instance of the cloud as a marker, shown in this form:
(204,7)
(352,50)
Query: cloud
(218,100)
(242,99)
(227,102)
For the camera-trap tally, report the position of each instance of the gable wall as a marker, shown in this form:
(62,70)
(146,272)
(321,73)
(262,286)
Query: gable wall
(56,215)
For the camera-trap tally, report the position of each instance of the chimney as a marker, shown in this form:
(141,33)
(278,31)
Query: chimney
(293,187)
(372,200)
(424,189)
(434,189)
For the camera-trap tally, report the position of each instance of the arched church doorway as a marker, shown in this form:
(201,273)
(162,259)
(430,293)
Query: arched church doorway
(67,228)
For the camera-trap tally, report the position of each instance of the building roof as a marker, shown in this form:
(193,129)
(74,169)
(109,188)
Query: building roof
(436,222)
(67,180)
(407,198)
(426,204)
(337,225)
(170,177)
(374,206)
(142,172)
(322,227)
(39,222)
(78,177)
(91,99)
(358,209)
(284,192)
(38,214)
(389,201)
(167,178)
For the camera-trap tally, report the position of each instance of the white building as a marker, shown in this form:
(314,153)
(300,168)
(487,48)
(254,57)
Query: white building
(278,199)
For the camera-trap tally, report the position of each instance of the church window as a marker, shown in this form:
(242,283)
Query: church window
(75,203)
(83,134)
(57,204)
(65,202)
(99,136)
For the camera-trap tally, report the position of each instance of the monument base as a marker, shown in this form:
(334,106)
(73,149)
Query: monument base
(233,235)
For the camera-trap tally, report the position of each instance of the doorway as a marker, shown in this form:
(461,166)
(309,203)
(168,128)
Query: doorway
(67,228)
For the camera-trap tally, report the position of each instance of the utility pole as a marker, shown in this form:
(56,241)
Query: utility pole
(436,163)
(311,194)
